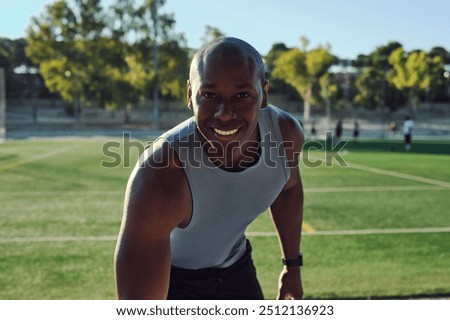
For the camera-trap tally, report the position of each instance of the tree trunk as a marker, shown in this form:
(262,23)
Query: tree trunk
(306,111)
(328,115)
(127,113)
(413,104)
(307,105)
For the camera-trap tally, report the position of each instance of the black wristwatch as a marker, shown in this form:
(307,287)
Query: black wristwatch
(294,262)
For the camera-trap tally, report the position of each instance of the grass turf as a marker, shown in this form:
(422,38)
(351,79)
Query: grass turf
(52,187)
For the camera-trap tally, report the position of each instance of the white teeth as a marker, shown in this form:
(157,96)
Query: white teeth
(225,133)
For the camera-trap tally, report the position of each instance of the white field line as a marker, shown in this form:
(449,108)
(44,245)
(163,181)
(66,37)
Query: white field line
(358,232)
(249,234)
(58,239)
(307,190)
(400,175)
(372,189)
(395,174)
(63,193)
(36,157)
(255,234)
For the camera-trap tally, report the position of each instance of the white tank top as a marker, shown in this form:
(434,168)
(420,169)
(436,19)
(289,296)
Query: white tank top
(224,203)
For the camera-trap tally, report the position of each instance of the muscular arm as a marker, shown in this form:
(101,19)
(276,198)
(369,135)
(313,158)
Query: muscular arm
(157,200)
(287,211)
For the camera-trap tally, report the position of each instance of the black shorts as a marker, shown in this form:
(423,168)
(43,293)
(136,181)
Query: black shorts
(236,282)
(408,138)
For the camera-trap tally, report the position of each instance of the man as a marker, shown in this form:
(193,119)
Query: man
(339,129)
(408,127)
(198,187)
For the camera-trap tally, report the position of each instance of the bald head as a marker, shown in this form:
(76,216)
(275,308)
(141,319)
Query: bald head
(223,48)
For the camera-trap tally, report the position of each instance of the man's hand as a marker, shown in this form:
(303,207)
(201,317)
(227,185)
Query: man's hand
(290,284)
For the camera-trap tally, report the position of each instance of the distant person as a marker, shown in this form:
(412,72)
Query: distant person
(408,127)
(355,130)
(313,129)
(338,130)
(196,189)
(393,127)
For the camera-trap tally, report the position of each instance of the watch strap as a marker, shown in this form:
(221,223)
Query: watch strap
(294,262)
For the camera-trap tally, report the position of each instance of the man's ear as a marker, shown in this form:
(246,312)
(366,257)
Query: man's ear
(265,89)
(189,95)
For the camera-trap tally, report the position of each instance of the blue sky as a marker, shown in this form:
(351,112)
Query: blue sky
(351,27)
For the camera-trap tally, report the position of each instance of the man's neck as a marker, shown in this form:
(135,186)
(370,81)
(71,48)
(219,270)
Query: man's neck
(234,156)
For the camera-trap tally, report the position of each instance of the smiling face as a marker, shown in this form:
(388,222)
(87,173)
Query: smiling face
(226,92)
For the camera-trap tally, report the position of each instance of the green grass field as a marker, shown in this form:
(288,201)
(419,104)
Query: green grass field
(378,227)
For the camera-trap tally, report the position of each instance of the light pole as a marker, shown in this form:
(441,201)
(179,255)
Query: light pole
(447,87)
(2,105)
(155,115)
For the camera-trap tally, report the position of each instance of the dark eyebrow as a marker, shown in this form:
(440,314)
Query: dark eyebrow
(244,86)
(239,86)
(208,86)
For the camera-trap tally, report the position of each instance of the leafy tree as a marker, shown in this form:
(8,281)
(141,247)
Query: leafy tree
(175,60)
(14,52)
(301,68)
(274,53)
(211,34)
(278,84)
(373,88)
(370,86)
(106,57)
(411,73)
(172,52)
(66,44)
(6,62)
(441,52)
(328,92)
(20,73)
(438,87)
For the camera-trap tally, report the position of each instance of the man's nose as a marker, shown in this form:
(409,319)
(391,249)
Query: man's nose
(225,111)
